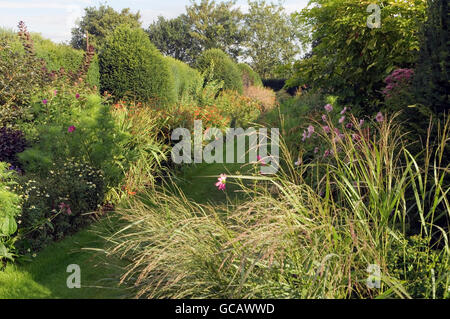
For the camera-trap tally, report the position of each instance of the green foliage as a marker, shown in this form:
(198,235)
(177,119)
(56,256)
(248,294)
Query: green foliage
(95,139)
(172,37)
(186,79)
(271,40)
(219,66)
(56,204)
(242,111)
(130,65)
(99,23)
(432,83)
(249,77)
(217,25)
(351,59)
(9,212)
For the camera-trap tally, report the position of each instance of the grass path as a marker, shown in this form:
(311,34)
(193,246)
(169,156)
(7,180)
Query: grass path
(45,276)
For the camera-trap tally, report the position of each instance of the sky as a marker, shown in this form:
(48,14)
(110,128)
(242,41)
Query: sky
(54,19)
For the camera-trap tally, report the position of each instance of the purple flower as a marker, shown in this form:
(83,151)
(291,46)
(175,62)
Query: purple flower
(328,107)
(341,120)
(326,128)
(349,125)
(71,129)
(44,101)
(379,117)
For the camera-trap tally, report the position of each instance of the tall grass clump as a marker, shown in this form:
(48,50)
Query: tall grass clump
(315,230)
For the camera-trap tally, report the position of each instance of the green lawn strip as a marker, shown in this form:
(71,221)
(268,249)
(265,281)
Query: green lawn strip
(45,276)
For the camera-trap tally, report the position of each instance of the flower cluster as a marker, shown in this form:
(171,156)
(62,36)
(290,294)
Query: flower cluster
(222,181)
(397,79)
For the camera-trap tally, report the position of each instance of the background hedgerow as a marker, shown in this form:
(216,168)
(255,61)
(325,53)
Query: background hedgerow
(249,76)
(265,96)
(217,65)
(186,79)
(131,66)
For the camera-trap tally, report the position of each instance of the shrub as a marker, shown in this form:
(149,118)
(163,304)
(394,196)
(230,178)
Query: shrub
(242,110)
(12,142)
(130,65)
(57,204)
(9,212)
(219,66)
(81,128)
(187,80)
(249,77)
(265,96)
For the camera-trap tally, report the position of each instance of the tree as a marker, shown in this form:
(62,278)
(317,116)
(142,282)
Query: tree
(350,58)
(99,23)
(172,37)
(271,37)
(217,25)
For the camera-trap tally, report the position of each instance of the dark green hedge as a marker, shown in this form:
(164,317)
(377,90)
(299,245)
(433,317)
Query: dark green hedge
(186,79)
(223,68)
(249,77)
(130,65)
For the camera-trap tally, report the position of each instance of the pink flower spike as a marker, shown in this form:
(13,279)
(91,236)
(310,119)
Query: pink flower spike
(379,117)
(222,180)
(71,129)
(44,101)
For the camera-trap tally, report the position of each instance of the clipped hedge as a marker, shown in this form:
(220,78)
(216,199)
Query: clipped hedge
(186,79)
(220,67)
(130,65)
(249,76)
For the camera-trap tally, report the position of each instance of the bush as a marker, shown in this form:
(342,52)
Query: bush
(12,142)
(219,66)
(9,212)
(130,65)
(186,79)
(56,205)
(81,128)
(265,96)
(242,110)
(249,77)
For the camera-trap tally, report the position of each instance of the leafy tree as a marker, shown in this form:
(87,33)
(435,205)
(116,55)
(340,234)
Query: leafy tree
(271,37)
(172,37)
(217,25)
(349,57)
(99,23)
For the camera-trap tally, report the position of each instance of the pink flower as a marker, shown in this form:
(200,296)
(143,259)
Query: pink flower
(324,118)
(260,160)
(299,162)
(328,107)
(77,96)
(71,129)
(310,130)
(327,153)
(356,137)
(326,128)
(344,110)
(316,150)
(69,211)
(379,117)
(222,180)
(349,125)
(361,123)
(341,120)
(44,101)
(55,92)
